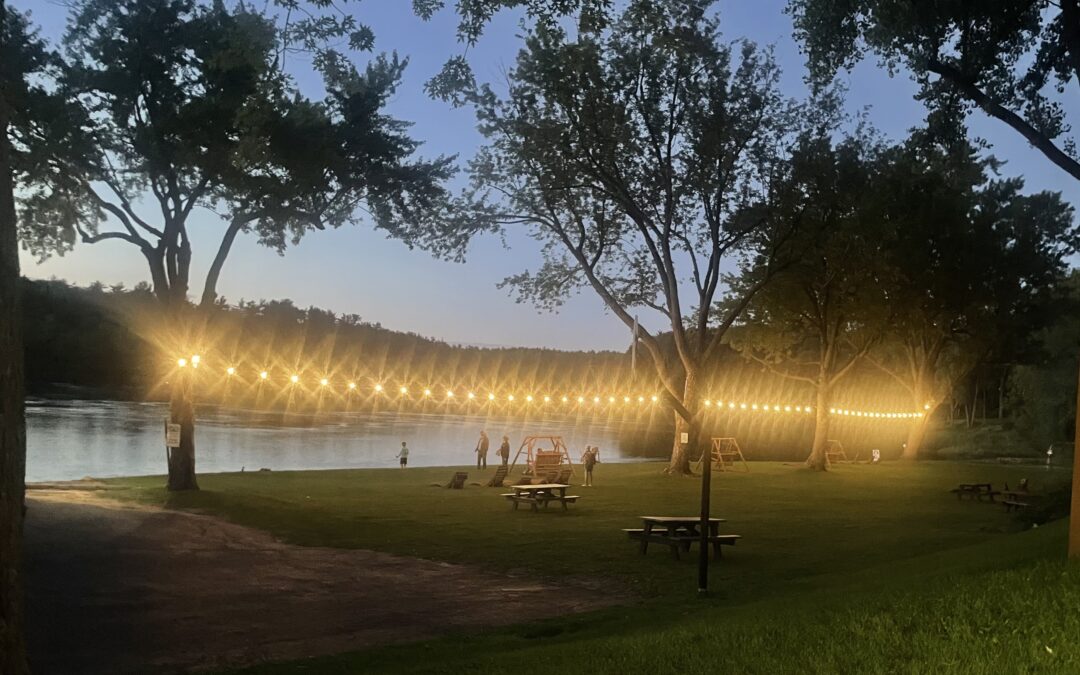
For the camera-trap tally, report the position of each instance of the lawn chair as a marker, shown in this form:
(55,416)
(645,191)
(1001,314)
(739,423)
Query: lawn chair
(499,477)
(458,481)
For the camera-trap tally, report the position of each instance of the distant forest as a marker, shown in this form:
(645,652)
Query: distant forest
(105,342)
(100,341)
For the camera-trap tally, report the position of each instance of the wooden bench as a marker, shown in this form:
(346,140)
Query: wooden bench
(1014,505)
(678,542)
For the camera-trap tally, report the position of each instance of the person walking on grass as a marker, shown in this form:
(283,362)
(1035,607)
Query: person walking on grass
(504,450)
(589,459)
(482,450)
(404,455)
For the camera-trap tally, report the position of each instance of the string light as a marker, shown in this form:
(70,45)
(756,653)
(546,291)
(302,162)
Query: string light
(714,404)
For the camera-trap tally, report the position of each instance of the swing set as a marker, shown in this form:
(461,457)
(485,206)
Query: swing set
(543,454)
(725,452)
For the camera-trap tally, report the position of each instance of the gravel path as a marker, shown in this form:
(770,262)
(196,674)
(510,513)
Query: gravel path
(114,589)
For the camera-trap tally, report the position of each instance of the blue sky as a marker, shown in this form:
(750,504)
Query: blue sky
(357,270)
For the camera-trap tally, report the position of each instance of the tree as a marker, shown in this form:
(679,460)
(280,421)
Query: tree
(1013,59)
(640,155)
(34,125)
(816,320)
(190,107)
(976,267)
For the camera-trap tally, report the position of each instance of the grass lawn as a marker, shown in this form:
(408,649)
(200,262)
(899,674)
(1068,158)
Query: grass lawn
(862,569)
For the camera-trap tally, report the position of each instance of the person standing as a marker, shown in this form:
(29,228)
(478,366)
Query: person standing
(404,455)
(482,450)
(504,450)
(589,459)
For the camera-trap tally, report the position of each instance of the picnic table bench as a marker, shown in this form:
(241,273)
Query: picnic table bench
(679,533)
(975,491)
(540,495)
(1017,499)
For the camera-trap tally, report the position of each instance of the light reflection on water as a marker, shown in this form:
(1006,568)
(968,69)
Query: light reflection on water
(73,439)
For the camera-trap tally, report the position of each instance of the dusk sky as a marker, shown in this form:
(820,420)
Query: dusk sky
(357,270)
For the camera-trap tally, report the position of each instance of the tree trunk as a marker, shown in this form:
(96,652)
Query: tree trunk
(819,458)
(916,436)
(12,415)
(182,412)
(681,453)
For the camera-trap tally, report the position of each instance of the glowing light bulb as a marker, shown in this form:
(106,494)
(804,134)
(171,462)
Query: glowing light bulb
(564,399)
(529,398)
(263,375)
(195,359)
(610,399)
(742,406)
(832,411)
(787,408)
(471,396)
(449,394)
(580,399)
(807,409)
(798,408)
(181,363)
(294,379)
(427,392)
(708,403)
(754,406)
(510,397)
(352,385)
(653,399)
(404,390)
(926,406)
(323,382)
(625,399)
(230,371)
(491,397)
(547,399)
(640,399)
(378,388)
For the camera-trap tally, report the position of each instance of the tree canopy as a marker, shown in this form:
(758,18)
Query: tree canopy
(1013,59)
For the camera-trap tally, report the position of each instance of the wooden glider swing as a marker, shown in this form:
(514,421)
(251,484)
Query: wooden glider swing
(834,452)
(540,459)
(725,452)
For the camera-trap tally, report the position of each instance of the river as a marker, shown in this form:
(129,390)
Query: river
(73,439)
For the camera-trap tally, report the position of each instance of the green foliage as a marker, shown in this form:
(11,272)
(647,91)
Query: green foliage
(189,106)
(1014,60)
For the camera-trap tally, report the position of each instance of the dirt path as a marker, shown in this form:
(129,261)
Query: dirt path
(117,590)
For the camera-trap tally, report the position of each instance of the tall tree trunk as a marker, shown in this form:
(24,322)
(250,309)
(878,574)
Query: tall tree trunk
(681,453)
(915,438)
(12,413)
(819,458)
(182,411)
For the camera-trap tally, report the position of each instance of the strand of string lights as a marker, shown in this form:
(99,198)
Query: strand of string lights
(450,395)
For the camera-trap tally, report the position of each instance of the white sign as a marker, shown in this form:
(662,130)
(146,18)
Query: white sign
(684,437)
(172,435)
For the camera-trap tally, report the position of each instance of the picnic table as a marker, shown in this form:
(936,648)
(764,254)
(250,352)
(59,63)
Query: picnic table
(539,495)
(1018,499)
(679,533)
(975,491)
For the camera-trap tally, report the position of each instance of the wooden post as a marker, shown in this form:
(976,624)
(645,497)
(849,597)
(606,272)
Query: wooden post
(703,550)
(1074,512)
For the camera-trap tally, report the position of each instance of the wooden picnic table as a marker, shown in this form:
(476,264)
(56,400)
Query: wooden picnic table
(540,494)
(679,533)
(975,491)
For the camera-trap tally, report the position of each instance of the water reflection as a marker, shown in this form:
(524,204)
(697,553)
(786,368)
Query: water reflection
(74,439)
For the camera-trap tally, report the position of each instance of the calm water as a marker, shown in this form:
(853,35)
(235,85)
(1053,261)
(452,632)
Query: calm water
(74,439)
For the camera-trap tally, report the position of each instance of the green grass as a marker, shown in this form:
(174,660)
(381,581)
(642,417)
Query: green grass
(862,569)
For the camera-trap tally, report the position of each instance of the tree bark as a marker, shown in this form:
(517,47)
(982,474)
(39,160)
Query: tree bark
(182,412)
(12,413)
(819,458)
(681,452)
(916,436)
